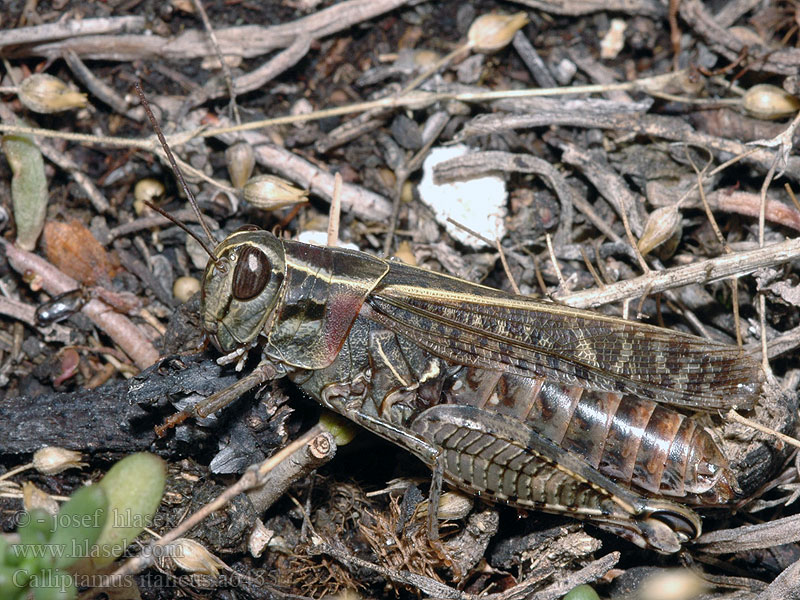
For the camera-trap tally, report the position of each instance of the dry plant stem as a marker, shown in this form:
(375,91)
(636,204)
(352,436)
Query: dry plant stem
(124,333)
(148,145)
(733,10)
(791,194)
(762,302)
(665,127)
(252,478)
(18,310)
(320,450)
(710,216)
(561,283)
(507,270)
(198,4)
(335,211)
(70,28)
(281,62)
(97,86)
(783,61)
(743,203)
(752,537)
(713,269)
(588,574)
(533,61)
(183,215)
(254,79)
(785,342)
(784,585)
(421,99)
(247,41)
(734,416)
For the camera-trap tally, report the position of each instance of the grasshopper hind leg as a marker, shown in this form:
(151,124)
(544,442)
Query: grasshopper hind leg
(501,458)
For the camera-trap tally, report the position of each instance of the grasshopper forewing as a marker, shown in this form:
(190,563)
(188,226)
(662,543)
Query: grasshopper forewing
(521,401)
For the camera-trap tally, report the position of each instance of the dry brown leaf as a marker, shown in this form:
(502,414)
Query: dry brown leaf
(75,251)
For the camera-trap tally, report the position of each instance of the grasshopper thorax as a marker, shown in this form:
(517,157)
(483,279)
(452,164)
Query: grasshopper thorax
(240,289)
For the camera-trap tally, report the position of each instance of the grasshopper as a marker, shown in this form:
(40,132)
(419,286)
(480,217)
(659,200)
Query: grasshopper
(519,401)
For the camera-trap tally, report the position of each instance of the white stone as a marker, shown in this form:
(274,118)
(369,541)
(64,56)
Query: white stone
(479,204)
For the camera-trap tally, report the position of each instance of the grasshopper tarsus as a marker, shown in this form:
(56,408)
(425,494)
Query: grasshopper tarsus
(171,422)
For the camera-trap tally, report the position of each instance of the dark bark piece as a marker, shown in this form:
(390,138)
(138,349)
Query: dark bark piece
(109,418)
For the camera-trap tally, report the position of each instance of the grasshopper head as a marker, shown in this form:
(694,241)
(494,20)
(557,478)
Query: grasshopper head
(240,290)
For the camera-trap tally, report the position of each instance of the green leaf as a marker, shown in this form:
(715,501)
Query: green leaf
(36,527)
(28,188)
(134,487)
(9,580)
(78,525)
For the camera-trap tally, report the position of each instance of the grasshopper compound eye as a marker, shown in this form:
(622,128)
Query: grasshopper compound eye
(251,274)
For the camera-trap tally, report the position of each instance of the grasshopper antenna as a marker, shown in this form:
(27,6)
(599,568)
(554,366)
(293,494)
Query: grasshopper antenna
(179,175)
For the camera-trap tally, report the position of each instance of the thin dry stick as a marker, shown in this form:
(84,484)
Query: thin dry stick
(704,271)
(223,65)
(554,260)
(335,211)
(725,246)
(713,172)
(762,302)
(632,239)
(734,416)
(411,100)
(790,191)
(539,279)
(591,268)
(472,232)
(510,276)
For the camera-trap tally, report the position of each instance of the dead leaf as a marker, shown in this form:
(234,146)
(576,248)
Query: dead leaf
(74,250)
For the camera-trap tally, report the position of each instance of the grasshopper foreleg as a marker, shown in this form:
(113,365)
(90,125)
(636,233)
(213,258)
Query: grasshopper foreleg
(264,372)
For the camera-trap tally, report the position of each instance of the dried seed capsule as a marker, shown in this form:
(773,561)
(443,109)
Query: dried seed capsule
(33,497)
(52,460)
(452,507)
(672,584)
(44,93)
(146,190)
(661,226)
(490,33)
(240,160)
(193,557)
(185,287)
(765,101)
(269,192)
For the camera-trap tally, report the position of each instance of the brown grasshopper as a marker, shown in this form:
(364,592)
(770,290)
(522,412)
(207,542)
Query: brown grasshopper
(521,401)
